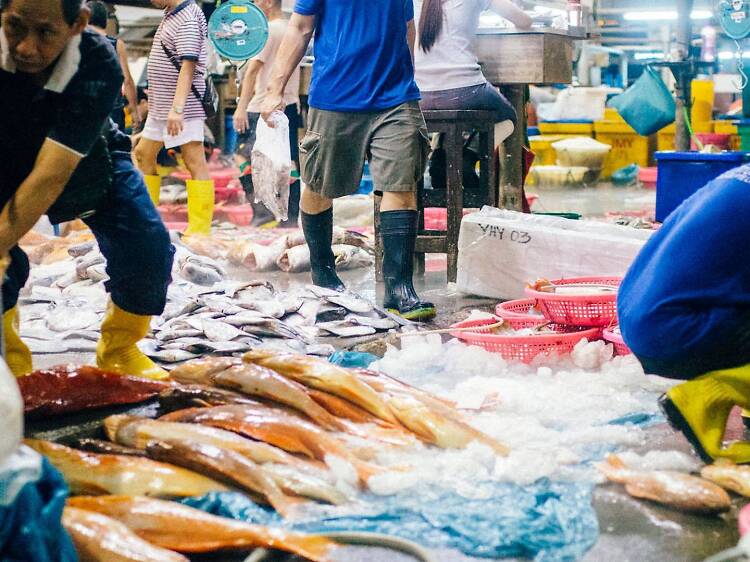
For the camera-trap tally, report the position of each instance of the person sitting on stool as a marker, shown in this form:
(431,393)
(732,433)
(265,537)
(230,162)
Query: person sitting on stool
(684,311)
(446,66)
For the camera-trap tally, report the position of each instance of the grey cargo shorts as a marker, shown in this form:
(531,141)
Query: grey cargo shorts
(336,145)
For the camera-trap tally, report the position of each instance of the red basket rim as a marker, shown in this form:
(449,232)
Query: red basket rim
(539,295)
(503,310)
(557,337)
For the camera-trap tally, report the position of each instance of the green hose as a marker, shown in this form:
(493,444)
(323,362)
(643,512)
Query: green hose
(362,539)
(697,141)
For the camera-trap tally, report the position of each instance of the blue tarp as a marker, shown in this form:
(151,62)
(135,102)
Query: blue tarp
(546,521)
(30,527)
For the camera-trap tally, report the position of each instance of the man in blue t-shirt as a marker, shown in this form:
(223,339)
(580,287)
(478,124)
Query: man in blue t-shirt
(364,105)
(684,310)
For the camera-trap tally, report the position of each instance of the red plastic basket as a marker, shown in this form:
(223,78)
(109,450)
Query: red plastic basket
(522,348)
(574,310)
(518,309)
(616,340)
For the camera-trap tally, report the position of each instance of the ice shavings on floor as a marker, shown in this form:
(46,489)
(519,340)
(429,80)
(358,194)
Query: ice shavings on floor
(558,417)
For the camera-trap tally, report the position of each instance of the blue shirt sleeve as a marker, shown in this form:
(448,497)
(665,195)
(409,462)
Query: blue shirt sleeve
(409,10)
(308,7)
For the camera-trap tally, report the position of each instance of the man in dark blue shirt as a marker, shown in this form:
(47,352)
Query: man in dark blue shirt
(684,310)
(62,156)
(364,105)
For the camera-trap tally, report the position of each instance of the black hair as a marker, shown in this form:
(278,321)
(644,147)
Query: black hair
(99,14)
(71,9)
(430,24)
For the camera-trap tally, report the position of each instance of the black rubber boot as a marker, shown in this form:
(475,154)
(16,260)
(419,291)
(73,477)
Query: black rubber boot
(262,217)
(294,195)
(318,231)
(399,232)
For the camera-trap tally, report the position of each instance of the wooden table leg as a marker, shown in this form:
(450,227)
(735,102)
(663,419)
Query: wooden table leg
(511,178)
(454,198)
(378,241)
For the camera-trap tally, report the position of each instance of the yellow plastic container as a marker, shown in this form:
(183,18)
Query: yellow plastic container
(665,137)
(703,102)
(628,147)
(541,146)
(567,129)
(726,127)
(611,114)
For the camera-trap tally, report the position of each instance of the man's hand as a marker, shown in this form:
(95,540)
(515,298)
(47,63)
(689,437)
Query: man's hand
(175,123)
(240,121)
(273,102)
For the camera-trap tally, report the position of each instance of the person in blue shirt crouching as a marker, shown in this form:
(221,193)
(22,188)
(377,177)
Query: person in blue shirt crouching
(363,105)
(684,310)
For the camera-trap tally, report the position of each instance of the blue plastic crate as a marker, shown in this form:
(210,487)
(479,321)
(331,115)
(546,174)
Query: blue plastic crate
(683,173)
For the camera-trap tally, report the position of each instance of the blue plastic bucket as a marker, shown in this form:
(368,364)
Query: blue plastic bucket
(683,173)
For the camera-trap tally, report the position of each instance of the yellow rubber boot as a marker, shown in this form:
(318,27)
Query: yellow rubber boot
(17,355)
(153,184)
(117,350)
(700,410)
(200,206)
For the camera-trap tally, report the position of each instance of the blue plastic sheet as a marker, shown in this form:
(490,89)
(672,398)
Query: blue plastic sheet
(352,359)
(546,521)
(30,527)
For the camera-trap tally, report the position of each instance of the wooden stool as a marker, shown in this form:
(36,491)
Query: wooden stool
(454,198)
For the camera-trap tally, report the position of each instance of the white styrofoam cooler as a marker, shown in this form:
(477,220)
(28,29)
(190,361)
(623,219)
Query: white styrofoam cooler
(501,251)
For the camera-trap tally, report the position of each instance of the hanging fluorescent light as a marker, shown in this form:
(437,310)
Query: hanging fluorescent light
(661,15)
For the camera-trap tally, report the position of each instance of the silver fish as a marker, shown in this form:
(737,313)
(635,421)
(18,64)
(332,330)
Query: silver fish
(351,257)
(217,331)
(64,318)
(97,273)
(245,318)
(200,275)
(79,250)
(351,302)
(169,335)
(271,308)
(380,324)
(346,329)
(90,260)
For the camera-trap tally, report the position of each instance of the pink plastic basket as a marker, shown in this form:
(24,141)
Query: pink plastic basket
(518,309)
(616,339)
(522,348)
(744,520)
(573,310)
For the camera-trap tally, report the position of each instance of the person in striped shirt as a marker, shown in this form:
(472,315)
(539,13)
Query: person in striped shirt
(176,71)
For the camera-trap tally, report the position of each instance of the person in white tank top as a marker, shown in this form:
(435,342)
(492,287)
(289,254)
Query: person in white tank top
(446,66)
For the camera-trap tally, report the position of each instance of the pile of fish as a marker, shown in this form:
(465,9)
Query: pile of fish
(288,253)
(285,429)
(705,494)
(64,301)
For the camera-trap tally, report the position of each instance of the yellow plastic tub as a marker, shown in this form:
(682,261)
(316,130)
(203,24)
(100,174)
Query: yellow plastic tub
(628,147)
(703,101)
(611,114)
(567,129)
(727,127)
(541,146)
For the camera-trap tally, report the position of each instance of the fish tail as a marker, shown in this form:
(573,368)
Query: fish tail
(365,470)
(312,547)
(613,468)
(286,505)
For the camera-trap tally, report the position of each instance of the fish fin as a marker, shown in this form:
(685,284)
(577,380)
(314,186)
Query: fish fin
(313,547)
(613,468)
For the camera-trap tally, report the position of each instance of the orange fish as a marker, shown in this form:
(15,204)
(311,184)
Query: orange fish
(278,428)
(90,473)
(675,489)
(184,529)
(99,538)
(322,375)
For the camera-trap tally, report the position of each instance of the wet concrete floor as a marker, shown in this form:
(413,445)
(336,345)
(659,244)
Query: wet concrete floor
(631,530)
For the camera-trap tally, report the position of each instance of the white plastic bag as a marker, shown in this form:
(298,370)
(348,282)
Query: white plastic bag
(272,165)
(11,413)
(499,251)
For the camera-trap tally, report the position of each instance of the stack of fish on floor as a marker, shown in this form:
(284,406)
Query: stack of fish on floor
(284,429)
(63,304)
